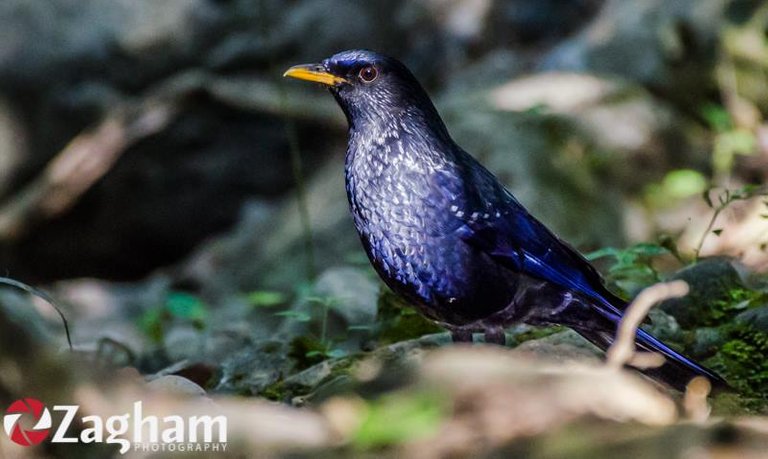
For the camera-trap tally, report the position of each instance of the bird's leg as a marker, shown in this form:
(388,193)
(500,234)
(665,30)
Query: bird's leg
(496,336)
(461,336)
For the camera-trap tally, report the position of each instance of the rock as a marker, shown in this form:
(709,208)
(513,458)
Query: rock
(268,249)
(183,342)
(340,308)
(707,341)
(354,292)
(176,385)
(211,157)
(254,367)
(664,326)
(756,318)
(565,346)
(333,376)
(539,22)
(717,293)
(670,46)
(615,116)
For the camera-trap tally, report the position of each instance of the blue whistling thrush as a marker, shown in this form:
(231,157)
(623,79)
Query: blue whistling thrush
(445,234)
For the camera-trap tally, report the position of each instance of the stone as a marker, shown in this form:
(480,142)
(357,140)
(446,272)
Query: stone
(717,293)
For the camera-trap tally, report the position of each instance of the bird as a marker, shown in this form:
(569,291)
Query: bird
(445,234)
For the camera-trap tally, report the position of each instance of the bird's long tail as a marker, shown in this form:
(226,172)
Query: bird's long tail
(678,369)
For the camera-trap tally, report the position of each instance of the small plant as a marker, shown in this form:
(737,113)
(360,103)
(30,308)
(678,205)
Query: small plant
(179,306)
(326,303)
(312,348)
(721,202)
(633,267)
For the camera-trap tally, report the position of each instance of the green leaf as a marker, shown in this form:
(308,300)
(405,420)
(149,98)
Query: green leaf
(186,306)
(151,323)
(336,353)
(295,315)
(682,183)
(648,249)
(717,116)
(322,300)
(266,298)
(602,253)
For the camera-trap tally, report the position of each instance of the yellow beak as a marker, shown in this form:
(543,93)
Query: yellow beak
(315,73)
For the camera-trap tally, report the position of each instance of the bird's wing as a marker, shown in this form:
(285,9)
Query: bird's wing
(505,230)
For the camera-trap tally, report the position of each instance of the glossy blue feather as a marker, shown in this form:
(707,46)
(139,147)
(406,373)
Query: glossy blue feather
(444,233)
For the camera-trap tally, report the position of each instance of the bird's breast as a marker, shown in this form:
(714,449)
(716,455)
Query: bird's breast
(402,211)
(406,196)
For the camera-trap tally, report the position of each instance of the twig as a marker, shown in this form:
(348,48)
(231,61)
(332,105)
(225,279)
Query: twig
(695,399)
(711,224)
(623,351)
(85,160)
(41,294)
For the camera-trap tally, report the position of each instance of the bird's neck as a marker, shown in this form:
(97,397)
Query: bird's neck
(396,140)
(394,159)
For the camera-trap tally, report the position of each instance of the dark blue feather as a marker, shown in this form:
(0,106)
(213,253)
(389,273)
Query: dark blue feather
(444,233)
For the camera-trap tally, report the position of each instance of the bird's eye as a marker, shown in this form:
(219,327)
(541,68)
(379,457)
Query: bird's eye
(368,73)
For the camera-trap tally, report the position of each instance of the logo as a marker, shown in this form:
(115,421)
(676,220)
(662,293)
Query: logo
(132,429)
(27,407)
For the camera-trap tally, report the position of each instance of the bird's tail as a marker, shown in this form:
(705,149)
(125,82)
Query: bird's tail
(677,371)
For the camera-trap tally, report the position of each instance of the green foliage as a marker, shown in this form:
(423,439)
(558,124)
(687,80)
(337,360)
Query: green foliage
(730,140)
(722,200)
(275,392)
(743,360)
(266,298)
(400,417)
(723,309)
(326,303)
(676,184)
(178,306)
(633,267)
(307,351)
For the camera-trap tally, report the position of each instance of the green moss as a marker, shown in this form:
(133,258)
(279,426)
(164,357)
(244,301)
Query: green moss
(717,294)
(307,351)
(398,321)
(743,361)
(537,333)
(276,392)
(727,306)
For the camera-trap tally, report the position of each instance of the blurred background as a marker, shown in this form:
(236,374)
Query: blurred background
(133,132)
(186,205)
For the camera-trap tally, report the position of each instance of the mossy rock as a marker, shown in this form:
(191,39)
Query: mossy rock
(742,360)
(717,294)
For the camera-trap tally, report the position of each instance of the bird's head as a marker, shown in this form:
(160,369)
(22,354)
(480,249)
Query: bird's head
(370,87)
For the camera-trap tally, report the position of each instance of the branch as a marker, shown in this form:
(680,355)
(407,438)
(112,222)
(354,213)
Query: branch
(623,350)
